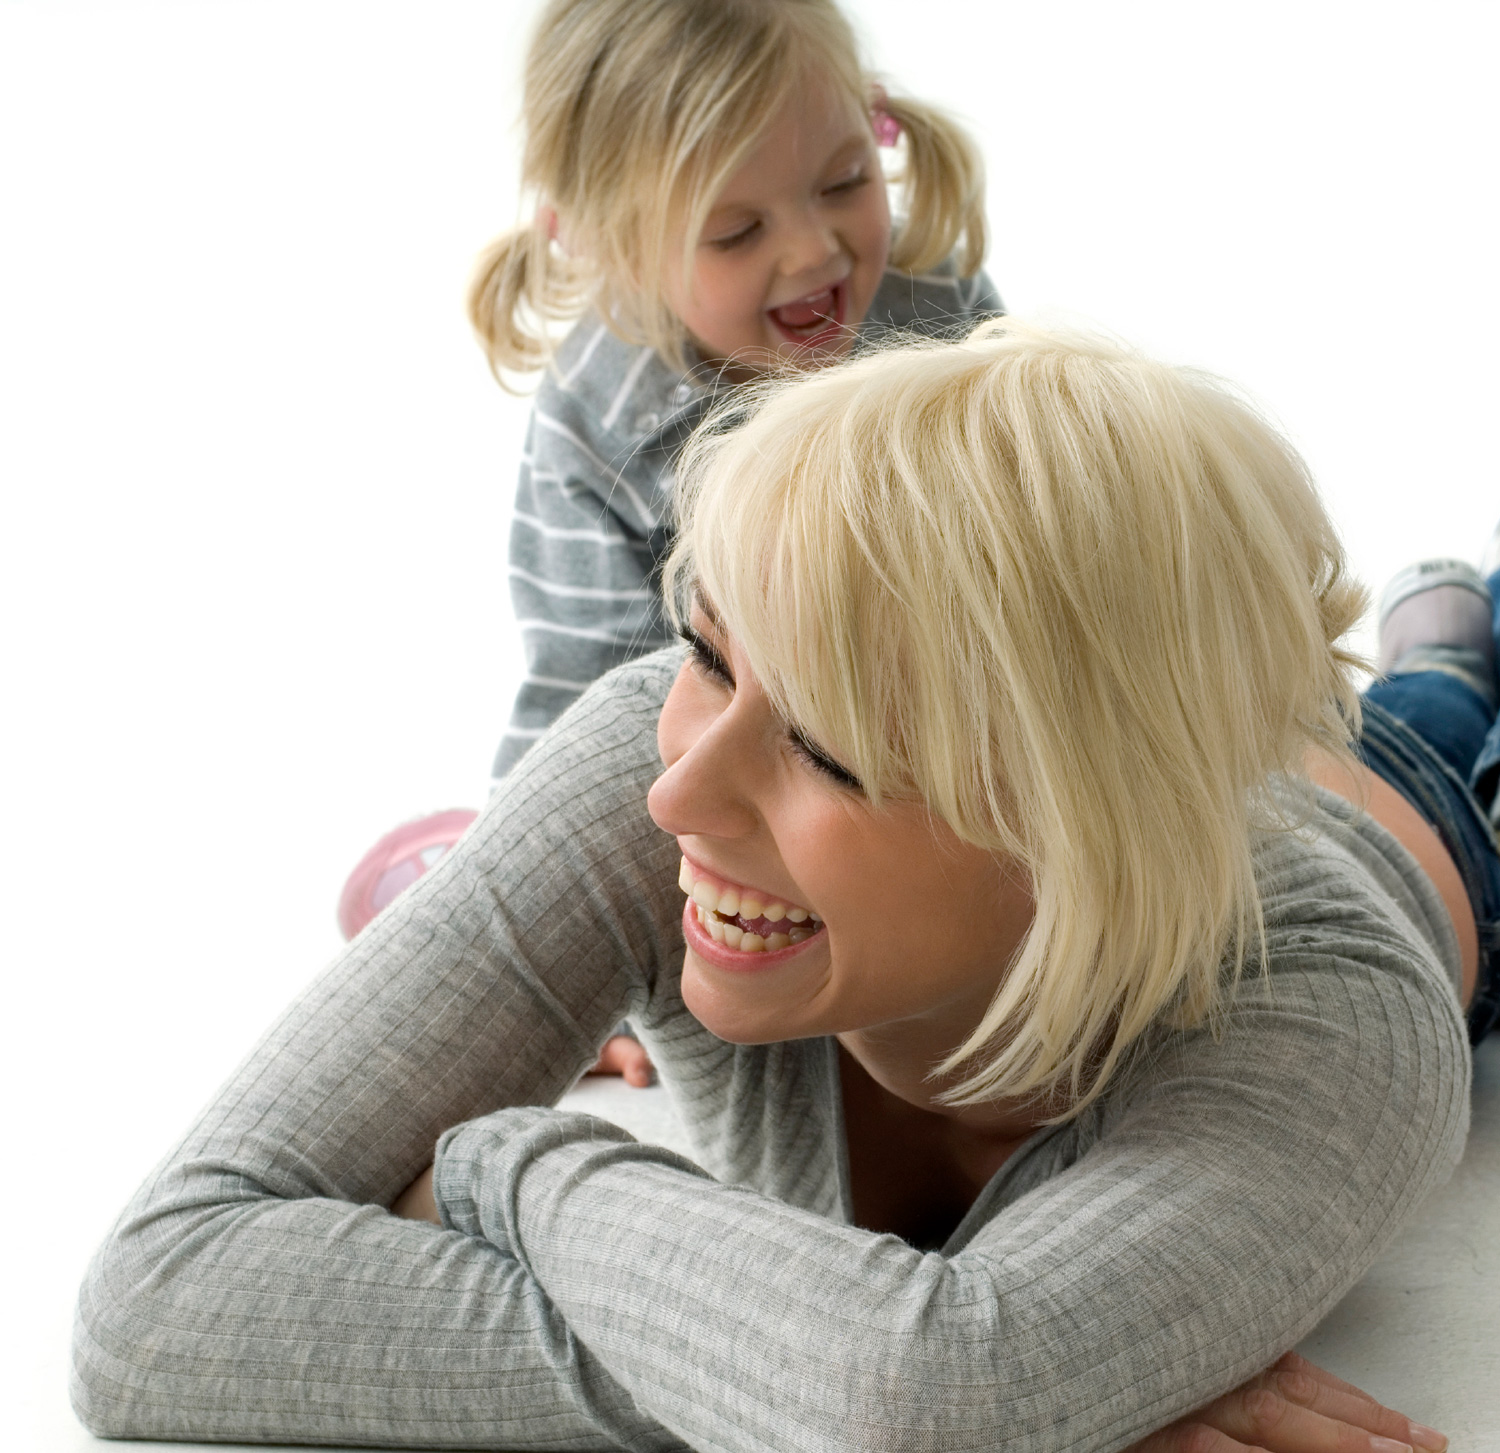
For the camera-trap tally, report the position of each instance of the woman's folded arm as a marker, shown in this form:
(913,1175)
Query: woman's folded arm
(1222,1201)
(256,1288)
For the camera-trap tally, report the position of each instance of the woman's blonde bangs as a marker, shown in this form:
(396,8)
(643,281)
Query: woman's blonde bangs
(1080,603)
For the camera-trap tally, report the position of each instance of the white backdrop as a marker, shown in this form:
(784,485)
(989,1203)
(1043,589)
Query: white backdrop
(256,477)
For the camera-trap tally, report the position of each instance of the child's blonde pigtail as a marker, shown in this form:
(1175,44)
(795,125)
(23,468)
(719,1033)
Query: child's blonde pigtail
(522,285)
(943,177)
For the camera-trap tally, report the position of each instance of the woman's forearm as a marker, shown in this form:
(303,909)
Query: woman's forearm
(257,1289)
(320,1321)
(1220,1212)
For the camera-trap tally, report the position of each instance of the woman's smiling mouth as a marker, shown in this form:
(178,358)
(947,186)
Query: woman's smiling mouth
(741,922)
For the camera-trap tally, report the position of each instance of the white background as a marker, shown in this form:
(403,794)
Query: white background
(256,477)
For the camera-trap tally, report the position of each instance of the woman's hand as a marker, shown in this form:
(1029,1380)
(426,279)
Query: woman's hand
(625,1057)
(1293,1407)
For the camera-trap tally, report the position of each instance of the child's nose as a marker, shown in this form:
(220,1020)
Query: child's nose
(811,243)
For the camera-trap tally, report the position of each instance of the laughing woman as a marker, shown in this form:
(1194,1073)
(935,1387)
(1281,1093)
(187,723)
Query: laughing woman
(1055,1054)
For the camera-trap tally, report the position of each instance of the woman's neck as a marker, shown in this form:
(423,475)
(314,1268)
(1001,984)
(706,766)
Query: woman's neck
(903,1071)
(916,1168)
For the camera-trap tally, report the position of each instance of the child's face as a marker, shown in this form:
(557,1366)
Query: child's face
(791,254)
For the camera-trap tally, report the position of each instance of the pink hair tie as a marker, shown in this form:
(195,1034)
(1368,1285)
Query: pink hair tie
(885,126)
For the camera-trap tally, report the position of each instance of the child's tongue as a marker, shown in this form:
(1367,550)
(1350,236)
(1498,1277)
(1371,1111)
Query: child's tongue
(807,311)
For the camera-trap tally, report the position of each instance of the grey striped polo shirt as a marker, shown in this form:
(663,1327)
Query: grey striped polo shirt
(592,521)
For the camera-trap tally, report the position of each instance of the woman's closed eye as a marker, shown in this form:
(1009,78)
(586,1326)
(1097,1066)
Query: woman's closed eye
(706,659)
(708,662)
(821,762)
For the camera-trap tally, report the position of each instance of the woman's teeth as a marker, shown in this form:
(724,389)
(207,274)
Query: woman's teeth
(744,918)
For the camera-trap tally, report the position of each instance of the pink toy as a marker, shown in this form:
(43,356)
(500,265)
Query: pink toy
(396,862)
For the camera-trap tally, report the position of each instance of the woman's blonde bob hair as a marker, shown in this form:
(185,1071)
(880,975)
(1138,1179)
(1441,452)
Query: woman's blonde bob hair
(636,114)
(1080,603)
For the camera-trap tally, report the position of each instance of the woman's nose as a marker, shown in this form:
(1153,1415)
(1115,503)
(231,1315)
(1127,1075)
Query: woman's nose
(703,790)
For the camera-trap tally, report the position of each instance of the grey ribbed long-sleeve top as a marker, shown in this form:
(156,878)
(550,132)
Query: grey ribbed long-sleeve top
(596,1293)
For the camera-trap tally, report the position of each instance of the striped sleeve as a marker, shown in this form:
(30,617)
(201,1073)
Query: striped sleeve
(583,546)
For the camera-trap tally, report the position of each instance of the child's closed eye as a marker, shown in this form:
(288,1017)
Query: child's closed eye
(846,184)
(737,238)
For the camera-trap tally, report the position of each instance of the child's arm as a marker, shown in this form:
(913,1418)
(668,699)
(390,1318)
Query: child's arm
(583,542)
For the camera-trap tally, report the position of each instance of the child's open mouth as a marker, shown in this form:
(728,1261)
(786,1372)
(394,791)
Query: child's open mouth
(814,321)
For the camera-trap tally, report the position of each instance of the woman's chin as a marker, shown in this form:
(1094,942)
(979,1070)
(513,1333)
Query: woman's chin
(738,1013)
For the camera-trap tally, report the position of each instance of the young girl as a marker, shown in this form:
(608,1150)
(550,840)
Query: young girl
(710,205)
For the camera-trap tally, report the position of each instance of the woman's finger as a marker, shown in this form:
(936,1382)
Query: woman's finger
(1296,1362)
(1266,1417)
(1313,1387)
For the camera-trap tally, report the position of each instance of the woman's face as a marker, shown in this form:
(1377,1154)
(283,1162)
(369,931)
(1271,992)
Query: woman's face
(905,930)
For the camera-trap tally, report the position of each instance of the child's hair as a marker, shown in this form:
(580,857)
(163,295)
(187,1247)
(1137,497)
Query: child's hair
(636,114)
(1080,603)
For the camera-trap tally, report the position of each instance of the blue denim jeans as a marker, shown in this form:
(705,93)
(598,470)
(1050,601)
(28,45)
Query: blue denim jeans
(1394,745)
(1484,773)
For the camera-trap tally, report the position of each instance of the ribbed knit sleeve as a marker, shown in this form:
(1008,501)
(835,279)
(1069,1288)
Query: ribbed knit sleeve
(1230,1189)
(257,1290)
(588,1292)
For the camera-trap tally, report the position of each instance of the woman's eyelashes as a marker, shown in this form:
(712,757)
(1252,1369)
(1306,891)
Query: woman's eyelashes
(705,658)
(708,662)
(820,761)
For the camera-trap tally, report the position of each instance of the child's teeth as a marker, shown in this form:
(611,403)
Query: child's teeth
(718,930)
(733,935)
(751,906)
(777,940)
(729,902)
(775,912)
(752,943)
(705,896)
(685,879)
(797,915)
(798,934)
